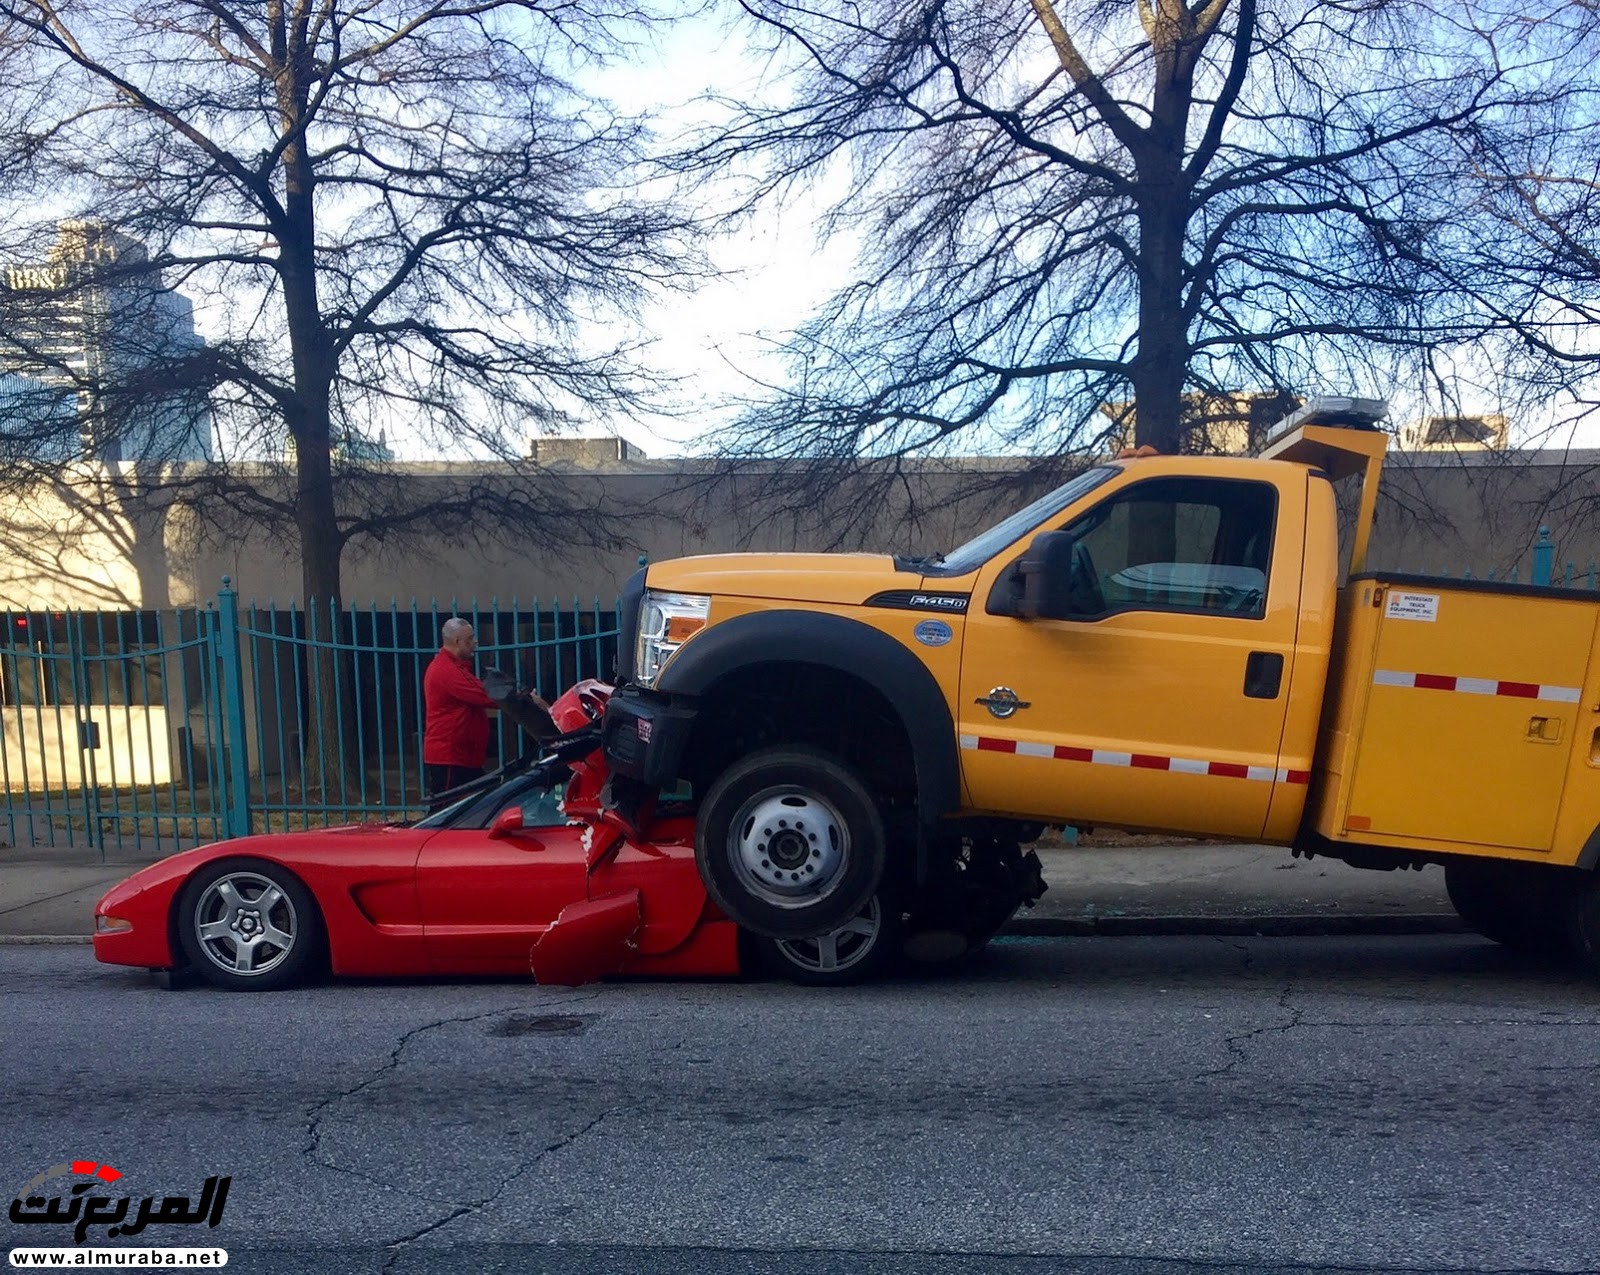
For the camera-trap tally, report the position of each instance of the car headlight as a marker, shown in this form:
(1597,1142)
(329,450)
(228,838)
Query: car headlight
(666,622)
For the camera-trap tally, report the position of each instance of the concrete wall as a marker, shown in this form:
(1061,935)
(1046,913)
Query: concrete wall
(1444,513)
(102,546)
(88,540)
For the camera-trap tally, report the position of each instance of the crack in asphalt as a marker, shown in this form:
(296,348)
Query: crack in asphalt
(47,898)
(316,1115)
(1235,1044)
(397,1247)
(318,1112)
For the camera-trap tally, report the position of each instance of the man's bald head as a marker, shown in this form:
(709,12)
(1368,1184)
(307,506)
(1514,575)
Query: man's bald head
(457,637)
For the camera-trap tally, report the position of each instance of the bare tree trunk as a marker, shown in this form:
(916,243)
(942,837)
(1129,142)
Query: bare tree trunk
(310,424)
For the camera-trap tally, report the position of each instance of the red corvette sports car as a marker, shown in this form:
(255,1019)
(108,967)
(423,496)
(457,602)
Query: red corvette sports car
(525,872)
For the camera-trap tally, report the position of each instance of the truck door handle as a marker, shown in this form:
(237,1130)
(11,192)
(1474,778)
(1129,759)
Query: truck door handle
(1544,730)
(1263,675)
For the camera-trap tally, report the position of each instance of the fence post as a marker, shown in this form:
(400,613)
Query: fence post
(1544,557)
(235,745)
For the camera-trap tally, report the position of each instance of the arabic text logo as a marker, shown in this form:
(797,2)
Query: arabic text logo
(77,1207)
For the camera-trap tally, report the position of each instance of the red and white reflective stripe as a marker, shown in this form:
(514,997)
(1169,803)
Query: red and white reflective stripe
(1136,761)
(1478,686)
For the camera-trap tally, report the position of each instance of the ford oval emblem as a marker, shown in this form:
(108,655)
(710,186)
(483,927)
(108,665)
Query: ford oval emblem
(933,633)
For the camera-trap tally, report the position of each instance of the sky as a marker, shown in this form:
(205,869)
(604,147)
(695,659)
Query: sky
(778,273)
(721,340)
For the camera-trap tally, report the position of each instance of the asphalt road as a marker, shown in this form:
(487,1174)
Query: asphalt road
(1130,1106)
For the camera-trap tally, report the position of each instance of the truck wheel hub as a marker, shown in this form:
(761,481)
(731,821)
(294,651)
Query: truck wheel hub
(788,845)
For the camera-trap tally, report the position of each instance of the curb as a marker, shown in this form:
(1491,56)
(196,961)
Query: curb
(1292,926)
(43,940)
(1065,927)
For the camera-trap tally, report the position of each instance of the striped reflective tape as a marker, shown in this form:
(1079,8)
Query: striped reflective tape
(1478,686)
(1135,761)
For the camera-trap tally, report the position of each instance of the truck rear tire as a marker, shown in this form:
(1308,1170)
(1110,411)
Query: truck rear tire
(790,843)
(1580,916)
(1516,905)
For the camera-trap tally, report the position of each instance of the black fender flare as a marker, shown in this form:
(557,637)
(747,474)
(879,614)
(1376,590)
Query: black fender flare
(848,646)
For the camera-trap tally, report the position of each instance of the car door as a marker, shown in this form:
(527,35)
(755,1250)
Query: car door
(485,901)
(1161,702)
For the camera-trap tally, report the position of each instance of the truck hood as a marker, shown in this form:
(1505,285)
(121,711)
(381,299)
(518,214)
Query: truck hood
(842,578)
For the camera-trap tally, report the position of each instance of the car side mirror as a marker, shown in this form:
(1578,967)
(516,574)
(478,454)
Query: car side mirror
(507,826)
(1046,570)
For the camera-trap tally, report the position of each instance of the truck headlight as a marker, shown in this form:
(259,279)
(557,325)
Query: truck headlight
(666,622)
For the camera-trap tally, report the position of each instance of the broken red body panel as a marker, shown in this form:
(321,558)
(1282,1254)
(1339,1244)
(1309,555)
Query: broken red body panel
(589,940)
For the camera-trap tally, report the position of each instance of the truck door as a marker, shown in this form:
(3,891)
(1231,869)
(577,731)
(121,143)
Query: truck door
(1161,702)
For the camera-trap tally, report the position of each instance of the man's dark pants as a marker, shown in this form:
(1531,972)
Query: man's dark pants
(443,778)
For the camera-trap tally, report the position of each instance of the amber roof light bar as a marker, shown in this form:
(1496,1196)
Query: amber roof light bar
(1338,411)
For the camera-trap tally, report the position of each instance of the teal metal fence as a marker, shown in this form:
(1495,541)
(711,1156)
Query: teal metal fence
(183,725)
(1542,569)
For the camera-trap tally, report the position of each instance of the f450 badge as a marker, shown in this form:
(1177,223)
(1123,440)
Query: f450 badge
(1003,701)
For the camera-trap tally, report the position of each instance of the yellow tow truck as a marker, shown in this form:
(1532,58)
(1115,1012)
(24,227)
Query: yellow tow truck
(1161,644)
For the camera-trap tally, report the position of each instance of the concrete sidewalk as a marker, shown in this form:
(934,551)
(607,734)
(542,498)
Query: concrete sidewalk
(49,894)
(1204,888)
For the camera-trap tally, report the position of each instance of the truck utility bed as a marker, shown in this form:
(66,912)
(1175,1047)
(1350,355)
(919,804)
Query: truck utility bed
(1462,718)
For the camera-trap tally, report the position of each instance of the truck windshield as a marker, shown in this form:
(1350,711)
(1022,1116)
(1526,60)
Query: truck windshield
(983,546)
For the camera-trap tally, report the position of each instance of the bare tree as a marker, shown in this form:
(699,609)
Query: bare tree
(401,215)
(1067,204)
(394,214)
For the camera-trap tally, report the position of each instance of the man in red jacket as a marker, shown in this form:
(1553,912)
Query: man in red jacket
(455,742)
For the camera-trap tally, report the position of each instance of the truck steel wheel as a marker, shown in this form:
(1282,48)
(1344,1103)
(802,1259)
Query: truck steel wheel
(862,948)
(248,926)
(790,844)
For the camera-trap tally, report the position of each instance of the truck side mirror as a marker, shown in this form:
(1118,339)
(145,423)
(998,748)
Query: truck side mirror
(1046,570)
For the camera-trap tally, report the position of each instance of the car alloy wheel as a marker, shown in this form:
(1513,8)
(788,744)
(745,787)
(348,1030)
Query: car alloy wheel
(858,950)
(248,926)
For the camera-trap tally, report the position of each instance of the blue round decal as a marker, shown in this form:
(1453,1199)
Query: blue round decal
(933,633)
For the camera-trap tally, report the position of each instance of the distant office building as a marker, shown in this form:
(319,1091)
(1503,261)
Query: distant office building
(547,450)
(92,344)
(355,446)
(350,446)
(1488,433)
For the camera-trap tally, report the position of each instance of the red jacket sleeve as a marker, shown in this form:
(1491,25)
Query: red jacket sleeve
(464,686)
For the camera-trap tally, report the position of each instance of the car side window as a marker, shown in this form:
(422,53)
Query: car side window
(541,806)
(1199,545)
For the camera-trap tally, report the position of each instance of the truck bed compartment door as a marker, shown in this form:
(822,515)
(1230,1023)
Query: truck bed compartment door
(1472,709)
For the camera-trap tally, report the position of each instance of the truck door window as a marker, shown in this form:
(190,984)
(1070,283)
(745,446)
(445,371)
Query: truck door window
(1179,544)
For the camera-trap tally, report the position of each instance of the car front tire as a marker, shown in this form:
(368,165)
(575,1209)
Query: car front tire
(862,949)
(247,925)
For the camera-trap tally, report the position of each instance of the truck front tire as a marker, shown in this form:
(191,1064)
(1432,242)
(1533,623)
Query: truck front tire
(790,843)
